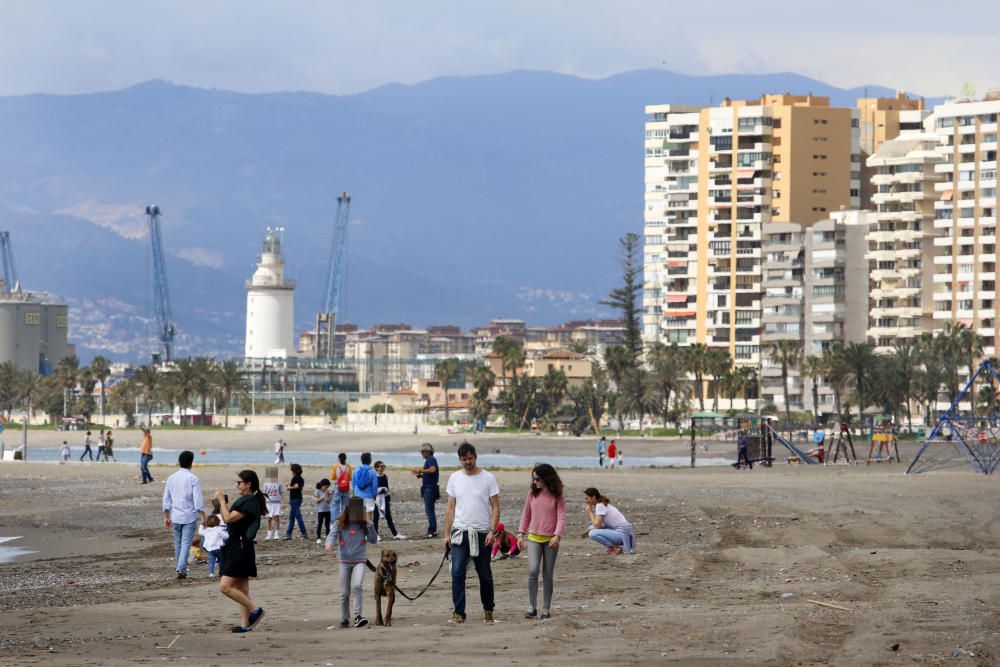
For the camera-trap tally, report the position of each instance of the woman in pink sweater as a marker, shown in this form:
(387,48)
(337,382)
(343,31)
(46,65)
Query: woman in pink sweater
(541,528)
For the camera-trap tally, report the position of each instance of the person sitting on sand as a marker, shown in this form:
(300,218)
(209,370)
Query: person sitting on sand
(608,526)
(505,544)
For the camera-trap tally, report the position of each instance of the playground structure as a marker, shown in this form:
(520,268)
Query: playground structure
(761,436)
(843,445)
(883,436)
(958,439)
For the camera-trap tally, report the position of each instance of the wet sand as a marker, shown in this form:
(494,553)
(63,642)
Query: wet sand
(726,566)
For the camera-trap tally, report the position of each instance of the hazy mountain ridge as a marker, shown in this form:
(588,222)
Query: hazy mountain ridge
(474,197)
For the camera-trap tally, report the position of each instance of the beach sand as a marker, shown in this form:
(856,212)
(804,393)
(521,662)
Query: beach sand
(726,565)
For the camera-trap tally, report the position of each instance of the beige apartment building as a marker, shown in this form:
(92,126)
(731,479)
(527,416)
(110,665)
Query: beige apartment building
(965,217)
(716,178)
(901,245)
(815,294)
(882,119)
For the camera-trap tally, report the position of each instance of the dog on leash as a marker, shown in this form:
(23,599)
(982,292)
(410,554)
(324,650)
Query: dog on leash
(385,585)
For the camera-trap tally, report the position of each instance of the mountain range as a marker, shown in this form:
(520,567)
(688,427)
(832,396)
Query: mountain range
(472,197)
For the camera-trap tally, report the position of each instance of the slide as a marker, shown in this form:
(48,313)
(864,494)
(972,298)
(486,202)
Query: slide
(805,458)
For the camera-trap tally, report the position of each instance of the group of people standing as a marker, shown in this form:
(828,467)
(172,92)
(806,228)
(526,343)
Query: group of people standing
(105,447)
(611,452)
(472,528)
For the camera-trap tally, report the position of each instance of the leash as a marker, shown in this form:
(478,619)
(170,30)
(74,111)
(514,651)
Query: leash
(373,568)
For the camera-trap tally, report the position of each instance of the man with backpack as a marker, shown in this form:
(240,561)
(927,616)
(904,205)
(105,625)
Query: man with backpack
(366,483)
(340,475)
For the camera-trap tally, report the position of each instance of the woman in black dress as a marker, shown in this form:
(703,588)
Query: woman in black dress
(239,562)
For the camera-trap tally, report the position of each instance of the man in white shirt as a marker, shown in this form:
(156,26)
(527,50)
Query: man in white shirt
(183,509)
(470,524)
(279,451)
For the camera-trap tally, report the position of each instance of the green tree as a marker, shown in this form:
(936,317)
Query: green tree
(580,346)
(814,368)
(667,377)
(588,402)
(147,381)
(638,394)
(625,299)
(518,401)
(123,397)
(87,384)
(67,370)
(446,371)
(182,384)
(718,364)
(483,380)
(554,386)
(696,362)
(859,361)
(836,375)
(204,381)
(101,368)
(511,354)
(787,354)
(229,382)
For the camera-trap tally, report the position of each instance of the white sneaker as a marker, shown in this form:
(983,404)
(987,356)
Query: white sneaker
(319,541)
(399,536)
(268,538)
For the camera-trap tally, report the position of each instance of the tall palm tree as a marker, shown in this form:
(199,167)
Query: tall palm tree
(204,381)
(483,379)
(814,368)
(667,377)
(907,364)
(229,382)
(148,381)
(67,370)
(638,396)
(970,346)
(718,365)
(787,354)
(446,371)
(554,388)
(836,374)
(28,385)
(87,384)
(101,368)
(580,347)
(184,381)
(696,359)
(747,380)
(859,361)
(9,390)
(617,360)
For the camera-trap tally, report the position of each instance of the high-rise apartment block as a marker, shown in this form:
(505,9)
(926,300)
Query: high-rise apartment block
(965,217)
(715,179)
(901,246)
(882,119)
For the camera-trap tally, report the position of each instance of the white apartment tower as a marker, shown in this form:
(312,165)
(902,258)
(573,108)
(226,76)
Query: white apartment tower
(965,216)
(270,303)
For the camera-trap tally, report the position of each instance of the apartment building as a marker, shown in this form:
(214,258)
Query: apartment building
(965,216)
(815,294)
(716,178)
(882,119)
(901,245)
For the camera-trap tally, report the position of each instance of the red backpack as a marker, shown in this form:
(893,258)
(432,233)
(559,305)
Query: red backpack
(343,479)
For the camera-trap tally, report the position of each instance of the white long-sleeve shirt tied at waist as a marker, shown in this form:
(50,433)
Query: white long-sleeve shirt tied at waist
(182,497)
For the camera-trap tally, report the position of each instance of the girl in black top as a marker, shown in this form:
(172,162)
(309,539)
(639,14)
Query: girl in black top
(239,562)
(383,498)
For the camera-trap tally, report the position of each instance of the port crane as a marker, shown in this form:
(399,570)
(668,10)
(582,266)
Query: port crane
(333,302)
(165,328)
(7,255)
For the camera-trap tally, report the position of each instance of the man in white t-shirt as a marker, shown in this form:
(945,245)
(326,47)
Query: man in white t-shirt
(470,524)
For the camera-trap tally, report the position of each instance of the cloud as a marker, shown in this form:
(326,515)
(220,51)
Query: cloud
(126,220)
(200,256)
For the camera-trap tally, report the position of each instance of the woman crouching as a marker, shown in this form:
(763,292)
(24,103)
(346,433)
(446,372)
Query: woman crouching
(608,526)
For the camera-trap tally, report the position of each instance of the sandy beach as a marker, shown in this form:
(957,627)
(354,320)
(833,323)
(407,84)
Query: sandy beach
(729,570)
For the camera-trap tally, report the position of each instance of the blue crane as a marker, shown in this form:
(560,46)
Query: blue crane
(165,328)
(7,254)
(334,299)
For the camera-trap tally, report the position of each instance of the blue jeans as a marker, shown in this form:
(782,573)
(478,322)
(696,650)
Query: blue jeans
(429,494)
(340,500)
(183,536)
(460,563)
(295,512)
(607,537)
(144,467)
(213,558)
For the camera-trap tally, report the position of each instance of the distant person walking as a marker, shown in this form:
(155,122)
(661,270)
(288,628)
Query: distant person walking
(109,452)
(612,454)
(279,451)
(64,451)
(100,447)
(295,502)
(608,526)
(541,529)
(183,509)
(366,483)
(470,524)
(145,455)
(430,491)
(239,561)
(273,491)
(741,451)
(87,451)
(602,448)
(383,502)
(340,475)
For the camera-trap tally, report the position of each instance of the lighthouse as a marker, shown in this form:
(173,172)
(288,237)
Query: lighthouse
(270,303)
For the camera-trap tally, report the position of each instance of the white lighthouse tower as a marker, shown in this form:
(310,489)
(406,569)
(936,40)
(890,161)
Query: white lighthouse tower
(270,303)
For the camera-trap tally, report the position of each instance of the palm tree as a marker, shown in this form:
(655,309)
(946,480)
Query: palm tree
(814,368)
(87,384)
(859,361)
(553,389)
(907,364)
(101,368)
(230,382)
(29,383)
(147,381)
(718,364)
(67,370)
(184,382)
(9,390)
(617,360)
(970,346)
(638,395)
(446,371)
(511,353)
(204,381)
(787,353)
(483,379)
(667,378)
(580,346)
(696,359)
(747,380)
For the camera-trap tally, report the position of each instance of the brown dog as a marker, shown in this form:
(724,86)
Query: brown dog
(385,585)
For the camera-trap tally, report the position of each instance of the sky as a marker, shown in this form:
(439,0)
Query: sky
(340,47)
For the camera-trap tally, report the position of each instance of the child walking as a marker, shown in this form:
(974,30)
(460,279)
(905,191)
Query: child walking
(383,502)
(324,498)
(273,490)
(353,533)
(213,536)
